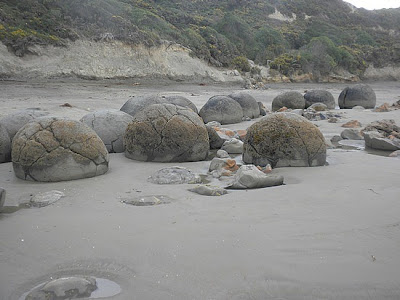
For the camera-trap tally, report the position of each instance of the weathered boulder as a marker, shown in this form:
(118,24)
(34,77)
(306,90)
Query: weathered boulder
(110,125)
(17,120)
(181,101)
(222,109)
(166,133)
(284,140)
(55,149)
(319,96)
(378,141)
(139,103)
(174,175)
(5,145)
(351,134)
(357,95)
(250,177)
(292,100)
(248,103)
(385,127)
(233,146)
(207,190)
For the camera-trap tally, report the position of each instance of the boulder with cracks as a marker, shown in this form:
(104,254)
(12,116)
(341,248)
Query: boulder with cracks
(52,149)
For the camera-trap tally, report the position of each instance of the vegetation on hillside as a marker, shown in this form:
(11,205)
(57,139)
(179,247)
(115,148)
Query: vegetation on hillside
(321,36)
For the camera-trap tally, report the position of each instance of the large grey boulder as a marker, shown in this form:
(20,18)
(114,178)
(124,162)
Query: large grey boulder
(319,96)
(222,109)
(54,149)
(110,125)
(5,145)
(284,140)
(139,103)
(249,105)
(250,177)
(378,141)
(166,133)
(181,101)
(292,100)
(357,95)
(17,120)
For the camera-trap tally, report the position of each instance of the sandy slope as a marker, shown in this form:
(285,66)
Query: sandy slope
(331,232)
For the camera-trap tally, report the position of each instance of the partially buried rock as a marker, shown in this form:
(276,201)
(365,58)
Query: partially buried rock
(248,103)
(383,108)
(222,109)
(284,140)
(181,101)
(139,103)
(207,190)
(53,149)
(352,124)
(174,175)
(64,288)
(222,154)
(233,146)
(357,95)
(250,177)
(222,167)
(378,141)
(166,133)
(46,198)
(5,145)
(292,100)
(110,125)
(319,96)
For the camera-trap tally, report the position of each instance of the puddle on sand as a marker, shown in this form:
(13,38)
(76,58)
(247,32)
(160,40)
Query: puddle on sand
(352,144)
(147,200)
(105,289)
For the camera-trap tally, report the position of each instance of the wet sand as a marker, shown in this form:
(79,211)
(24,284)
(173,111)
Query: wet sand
(330,232)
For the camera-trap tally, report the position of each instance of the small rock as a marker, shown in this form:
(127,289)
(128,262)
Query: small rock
(352,124)
(207,190)
(319,107)
(222,154)
(246,118)
(282,109)
(250,177)
(222,167)
(395,154)
(66,105)
(336,139)
(233,146)
(332,120)
(174,175)
(383,108)
(46,198)
(263,109)
(2,197)
(266,170)
(214,124)
(351,134)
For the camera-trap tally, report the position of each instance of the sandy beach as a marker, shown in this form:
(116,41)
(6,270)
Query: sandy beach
(330,232)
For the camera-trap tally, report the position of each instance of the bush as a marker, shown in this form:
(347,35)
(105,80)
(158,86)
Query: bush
(241,63)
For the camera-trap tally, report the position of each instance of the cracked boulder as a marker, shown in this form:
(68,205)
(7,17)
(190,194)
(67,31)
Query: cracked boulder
(181,101)
(284,140)
(292,100)
(17,120)
(222,109)
(5,145)
(52,149)
(166,133)
(357,95)
(139,103)
(248,103)
(319,96)
(110,126)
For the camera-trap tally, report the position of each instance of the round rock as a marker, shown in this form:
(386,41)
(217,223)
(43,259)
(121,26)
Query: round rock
(181,101)
(166,133)
(53,149)
(110,126)
(222,109)
(249,105)
(357,95)
(319,96)
(139,103)
(284,140)
(5,145)
(292,100)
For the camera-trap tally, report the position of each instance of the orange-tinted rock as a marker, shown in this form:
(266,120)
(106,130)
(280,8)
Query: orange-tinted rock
(352,124)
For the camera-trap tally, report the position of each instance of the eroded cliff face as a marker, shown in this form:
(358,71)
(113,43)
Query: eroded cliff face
(386,73)
(98,60)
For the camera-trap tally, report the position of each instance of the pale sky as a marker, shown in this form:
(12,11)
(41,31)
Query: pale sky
(375,4)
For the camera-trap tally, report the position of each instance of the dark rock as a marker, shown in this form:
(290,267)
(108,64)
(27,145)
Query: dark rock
(291,100)
(319,96)
(54,149)
(216,141)
(181,101)
(110,126)
(167,133)
(5,145)
(222,109)
(248,103)
(174,175)
(139,103)
(250,177)
(283,140)
(357,95)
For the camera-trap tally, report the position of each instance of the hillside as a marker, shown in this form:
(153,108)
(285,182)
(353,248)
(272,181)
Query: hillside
(294,36)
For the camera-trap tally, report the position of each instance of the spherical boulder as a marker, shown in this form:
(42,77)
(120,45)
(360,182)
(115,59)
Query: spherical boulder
(248,103)
(52,149)
(138,103)
(357,95)
(110,126)
(284,140)
(319,96)
(222,109)
(292,100)
(166,133)
(181,101)
(17,120)
(5,145)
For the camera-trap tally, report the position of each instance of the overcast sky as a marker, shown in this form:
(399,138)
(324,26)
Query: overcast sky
(375,4)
